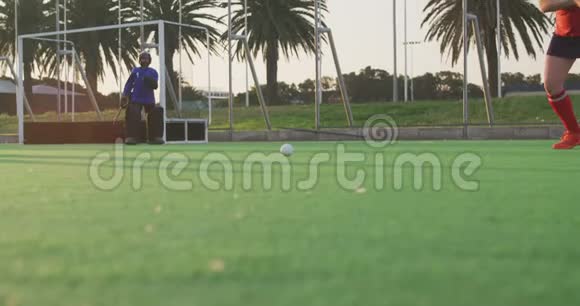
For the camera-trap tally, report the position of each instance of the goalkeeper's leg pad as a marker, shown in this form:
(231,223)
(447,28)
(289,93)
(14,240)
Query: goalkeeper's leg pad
(133,122)
(155,125)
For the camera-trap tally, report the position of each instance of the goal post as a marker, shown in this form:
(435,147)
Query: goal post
(482,67)
(471,20)
(71,53)
(52,37)
(320,30)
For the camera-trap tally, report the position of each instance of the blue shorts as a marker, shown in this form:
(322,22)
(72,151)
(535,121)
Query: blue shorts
(565,47)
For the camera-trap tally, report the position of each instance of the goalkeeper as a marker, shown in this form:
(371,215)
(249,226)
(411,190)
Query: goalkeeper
(139,94)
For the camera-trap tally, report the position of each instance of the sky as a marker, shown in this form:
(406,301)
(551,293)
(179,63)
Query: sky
(363,31)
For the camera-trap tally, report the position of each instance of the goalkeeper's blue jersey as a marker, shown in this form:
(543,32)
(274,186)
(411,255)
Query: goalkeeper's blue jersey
(137,90)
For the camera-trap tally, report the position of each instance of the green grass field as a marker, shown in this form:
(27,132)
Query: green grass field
(516,110)
(513,242)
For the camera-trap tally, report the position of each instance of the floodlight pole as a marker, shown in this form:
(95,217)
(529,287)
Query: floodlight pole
(395,81)
(499,50)
(230,69)
(405,51)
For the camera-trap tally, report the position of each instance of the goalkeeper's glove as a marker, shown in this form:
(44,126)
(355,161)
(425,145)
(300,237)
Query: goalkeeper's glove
(150,82)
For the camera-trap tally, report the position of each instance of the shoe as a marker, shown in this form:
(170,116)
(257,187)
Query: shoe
(156,141)
(568,141)
(130,141)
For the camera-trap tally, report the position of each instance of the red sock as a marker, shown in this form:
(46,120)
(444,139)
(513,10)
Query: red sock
(562,105)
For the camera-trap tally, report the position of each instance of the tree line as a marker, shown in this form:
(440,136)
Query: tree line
(276,29)
(376,85)
(373,85)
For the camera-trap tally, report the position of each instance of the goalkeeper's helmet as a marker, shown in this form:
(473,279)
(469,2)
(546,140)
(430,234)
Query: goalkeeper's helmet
(145,59)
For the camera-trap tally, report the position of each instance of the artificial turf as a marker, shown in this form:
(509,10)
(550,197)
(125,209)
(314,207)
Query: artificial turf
(513,242)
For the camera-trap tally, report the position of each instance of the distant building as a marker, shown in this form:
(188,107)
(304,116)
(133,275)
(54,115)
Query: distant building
(43,100)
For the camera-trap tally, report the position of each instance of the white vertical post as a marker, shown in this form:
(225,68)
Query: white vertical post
(91,94)
(20,93)
(16,56)
(395,81)
(247,71)
(405,51)
(481,54)
(412,69)
(74,78)
(341,83)
(465,72)
(499,49)
(412,72)
(412,75)
(58,66)
(261,99)
(162,80)
(209,89)
(230,69)
(180,77)
(120,54)
(65,56)
(15,59)
(318,60)
(142,13)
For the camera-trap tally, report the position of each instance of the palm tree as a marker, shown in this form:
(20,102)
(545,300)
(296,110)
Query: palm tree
(32,19)
(99,49)
(274,27)
(195,13)
(444,18)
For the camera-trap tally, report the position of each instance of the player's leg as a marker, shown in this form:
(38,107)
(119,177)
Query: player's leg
(558,65)
(155,124)
(133,123)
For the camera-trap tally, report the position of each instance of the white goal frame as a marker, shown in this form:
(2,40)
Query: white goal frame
(159,45)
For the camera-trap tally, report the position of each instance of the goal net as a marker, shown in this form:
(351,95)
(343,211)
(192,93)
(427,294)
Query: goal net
(80,74)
